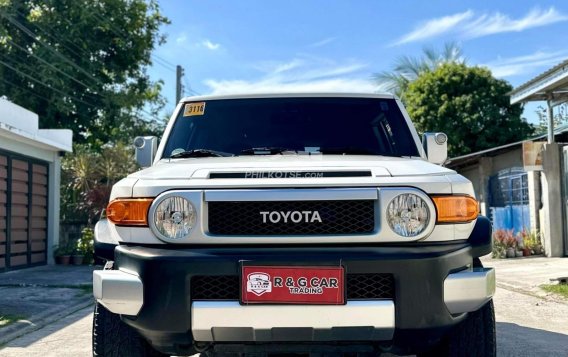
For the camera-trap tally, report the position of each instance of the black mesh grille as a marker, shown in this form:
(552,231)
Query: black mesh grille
(218,287)
(370,286)
(359,287)
(337,217)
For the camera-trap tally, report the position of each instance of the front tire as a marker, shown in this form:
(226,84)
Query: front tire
(114,338)
(475,336)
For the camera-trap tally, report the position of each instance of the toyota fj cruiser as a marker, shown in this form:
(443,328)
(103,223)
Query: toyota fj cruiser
(293,223)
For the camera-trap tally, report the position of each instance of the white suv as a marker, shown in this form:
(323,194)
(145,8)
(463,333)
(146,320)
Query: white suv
(293,223)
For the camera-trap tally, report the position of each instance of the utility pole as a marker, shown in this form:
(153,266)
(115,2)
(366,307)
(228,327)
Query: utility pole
(179,87)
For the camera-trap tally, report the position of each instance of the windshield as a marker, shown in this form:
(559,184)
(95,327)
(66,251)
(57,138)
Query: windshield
(361,126)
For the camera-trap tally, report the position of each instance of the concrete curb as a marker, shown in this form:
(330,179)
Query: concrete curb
(47,317)
(544,296)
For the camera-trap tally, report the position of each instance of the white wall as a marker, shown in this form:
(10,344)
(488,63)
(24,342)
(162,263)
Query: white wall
(19,133)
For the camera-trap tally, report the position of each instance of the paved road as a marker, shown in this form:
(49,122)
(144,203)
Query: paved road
(526,326)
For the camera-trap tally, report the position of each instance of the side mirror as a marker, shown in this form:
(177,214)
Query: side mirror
(145,150)
(436,147)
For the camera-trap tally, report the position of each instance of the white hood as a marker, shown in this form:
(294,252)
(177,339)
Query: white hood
(200,168)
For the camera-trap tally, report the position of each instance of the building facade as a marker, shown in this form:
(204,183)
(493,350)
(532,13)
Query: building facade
(513,197)
(29,187)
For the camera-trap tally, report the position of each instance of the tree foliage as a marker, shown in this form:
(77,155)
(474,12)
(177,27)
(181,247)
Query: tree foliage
(87,178)
(81,64)
(407,69)
(469,105)
(560,116)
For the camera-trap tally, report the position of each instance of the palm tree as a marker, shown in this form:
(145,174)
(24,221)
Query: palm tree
(407,68)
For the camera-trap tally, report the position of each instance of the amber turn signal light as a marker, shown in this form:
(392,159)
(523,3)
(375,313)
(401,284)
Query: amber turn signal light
(456,209)
(129,211)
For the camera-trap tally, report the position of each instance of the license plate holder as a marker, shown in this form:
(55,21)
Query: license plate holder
(309,285)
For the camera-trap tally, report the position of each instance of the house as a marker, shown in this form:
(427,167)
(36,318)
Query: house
(518,196)
(29,187)
(509,194)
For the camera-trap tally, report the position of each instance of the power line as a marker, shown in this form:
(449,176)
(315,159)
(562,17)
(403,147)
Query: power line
(20,64)
(188,86)
(49,65)
(43,84)
(59,40)
(120,32)
(164,60)
(47,46)
(163,64)
(168,65)
(24,88)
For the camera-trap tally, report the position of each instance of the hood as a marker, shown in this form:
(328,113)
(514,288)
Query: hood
(201,168)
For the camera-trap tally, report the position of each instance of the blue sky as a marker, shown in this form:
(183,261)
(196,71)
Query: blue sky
(243,46)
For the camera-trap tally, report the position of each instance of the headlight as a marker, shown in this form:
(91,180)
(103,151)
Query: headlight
(408,215)
(174,217)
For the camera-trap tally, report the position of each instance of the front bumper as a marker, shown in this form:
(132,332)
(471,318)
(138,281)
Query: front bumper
(434,286)
(121,292)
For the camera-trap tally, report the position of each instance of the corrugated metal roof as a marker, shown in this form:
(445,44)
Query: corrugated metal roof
(466,158)
(553,81)
(539,77)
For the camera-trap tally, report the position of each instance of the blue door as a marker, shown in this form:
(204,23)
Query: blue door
(509,200)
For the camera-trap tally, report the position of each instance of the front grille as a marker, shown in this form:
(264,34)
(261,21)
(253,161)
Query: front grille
(370,286)
(358,287)
(337,217)
(218,287)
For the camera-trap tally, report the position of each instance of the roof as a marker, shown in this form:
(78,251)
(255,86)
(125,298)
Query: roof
(554,80)
(288,95)
(21,125)
(473,157)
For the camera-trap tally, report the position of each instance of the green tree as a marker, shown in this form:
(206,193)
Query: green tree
(560,114)
(81,64)
(407,69)
(469,105)
(87,177)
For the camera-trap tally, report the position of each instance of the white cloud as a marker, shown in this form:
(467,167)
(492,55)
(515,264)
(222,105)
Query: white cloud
(498,23)
(470,25)
(270,86)
(435,27)
(506,67)
(276,67)
(210,45)
(323,42)
(299,75)
(182,38)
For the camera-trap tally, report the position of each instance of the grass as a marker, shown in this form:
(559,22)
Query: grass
(6,320)
(560,289)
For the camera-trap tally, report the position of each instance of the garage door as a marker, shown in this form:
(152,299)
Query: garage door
(23,212)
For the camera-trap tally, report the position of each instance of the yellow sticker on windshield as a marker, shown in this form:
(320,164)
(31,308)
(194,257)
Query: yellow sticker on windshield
(192,109)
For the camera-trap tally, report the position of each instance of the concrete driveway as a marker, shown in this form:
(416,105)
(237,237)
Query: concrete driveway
(526,326)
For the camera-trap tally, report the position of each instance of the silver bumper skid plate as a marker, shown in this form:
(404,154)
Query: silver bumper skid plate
(120,292)
(468,290)
(231,321)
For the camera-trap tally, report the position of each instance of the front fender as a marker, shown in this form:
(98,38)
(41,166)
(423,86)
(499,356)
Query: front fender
(104,241)
(481,238)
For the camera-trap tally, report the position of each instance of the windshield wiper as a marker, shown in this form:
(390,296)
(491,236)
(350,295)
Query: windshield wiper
(347,151)
(200,153)
(266,150)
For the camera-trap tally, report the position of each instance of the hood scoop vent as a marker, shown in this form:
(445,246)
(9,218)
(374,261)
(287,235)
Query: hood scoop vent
(278,174)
